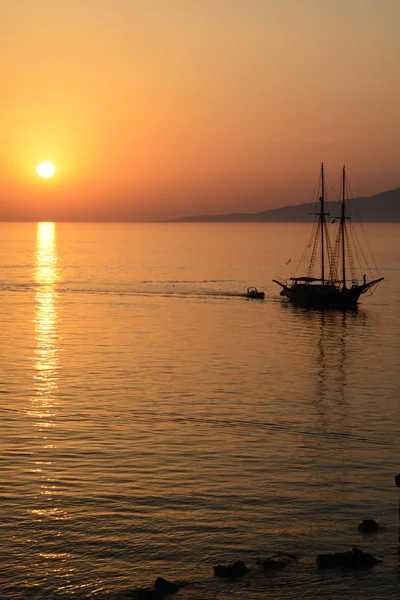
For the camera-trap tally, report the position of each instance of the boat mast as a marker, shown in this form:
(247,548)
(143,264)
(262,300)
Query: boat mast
(342,227)
(322,221)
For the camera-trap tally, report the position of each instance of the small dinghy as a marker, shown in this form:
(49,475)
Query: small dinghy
(252,292)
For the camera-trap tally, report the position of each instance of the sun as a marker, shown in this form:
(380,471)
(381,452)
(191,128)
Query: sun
(45,170)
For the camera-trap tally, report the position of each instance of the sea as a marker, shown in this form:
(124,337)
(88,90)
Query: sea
(157,423)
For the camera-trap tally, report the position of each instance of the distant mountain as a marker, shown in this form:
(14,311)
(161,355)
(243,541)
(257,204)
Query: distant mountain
(381,208)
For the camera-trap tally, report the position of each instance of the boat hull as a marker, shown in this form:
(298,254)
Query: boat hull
(322,296)
(253,292)
(325,296)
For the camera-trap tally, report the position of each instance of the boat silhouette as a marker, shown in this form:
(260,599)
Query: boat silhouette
(253,292)
(337,284)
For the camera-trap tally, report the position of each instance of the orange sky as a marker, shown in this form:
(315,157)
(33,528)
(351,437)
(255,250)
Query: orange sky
(163,108)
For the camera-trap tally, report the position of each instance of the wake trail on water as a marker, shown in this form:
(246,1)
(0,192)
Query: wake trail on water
(187,292)
(259,426)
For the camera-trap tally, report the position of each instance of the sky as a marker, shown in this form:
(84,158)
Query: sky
(156,109)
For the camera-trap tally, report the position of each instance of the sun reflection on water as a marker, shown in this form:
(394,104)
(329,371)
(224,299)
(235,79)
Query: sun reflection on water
(46,357)
(46,364)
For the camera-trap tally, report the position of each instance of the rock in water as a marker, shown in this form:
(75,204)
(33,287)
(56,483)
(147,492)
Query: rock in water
(269,564)
(368,526)
(165,587)
(354,559)
(237,569)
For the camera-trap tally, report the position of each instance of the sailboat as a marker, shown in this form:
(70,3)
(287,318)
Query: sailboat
(337,284)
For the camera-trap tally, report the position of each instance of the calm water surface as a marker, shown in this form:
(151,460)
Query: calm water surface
(155,422)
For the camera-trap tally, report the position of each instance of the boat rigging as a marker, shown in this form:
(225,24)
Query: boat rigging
(337,284)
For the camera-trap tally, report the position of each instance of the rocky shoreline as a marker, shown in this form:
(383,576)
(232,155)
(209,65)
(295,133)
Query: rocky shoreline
(348,560)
